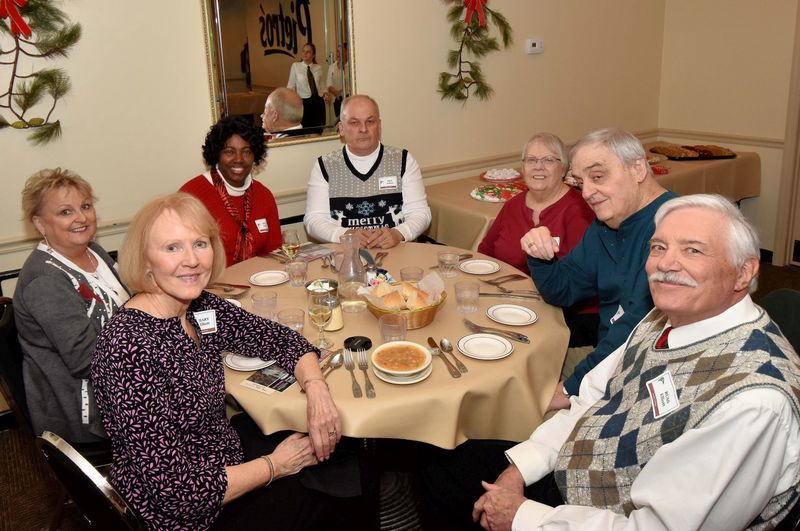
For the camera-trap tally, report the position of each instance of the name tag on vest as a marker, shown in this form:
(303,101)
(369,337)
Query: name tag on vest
(663,397)
(261,225)
(387,183)
(207,321)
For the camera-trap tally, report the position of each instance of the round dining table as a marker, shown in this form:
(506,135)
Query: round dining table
(496,399)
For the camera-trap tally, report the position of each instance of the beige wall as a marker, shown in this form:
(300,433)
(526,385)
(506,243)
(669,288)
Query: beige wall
(725,70)
(139,109)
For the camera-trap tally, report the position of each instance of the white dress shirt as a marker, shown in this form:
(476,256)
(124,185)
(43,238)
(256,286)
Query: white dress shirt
(298,79)
(319,223)
(717,476)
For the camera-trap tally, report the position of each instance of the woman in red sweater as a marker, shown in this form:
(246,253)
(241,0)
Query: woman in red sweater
(244,208)
(552,203)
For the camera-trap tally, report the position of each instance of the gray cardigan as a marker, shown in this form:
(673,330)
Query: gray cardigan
(58,317)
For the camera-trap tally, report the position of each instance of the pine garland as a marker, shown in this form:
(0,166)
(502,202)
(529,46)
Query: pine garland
(36,30)
(475,39)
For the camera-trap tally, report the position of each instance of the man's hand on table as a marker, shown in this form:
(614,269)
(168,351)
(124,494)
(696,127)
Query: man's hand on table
(384,238)
(559,400)
(495,510)
(363,236)
(539,243)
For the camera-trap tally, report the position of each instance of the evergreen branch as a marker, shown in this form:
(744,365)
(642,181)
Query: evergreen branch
(45,133)
(58,44)
(456,12)
(501,22)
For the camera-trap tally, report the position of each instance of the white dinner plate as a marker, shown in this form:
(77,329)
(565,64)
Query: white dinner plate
(269,278)
(511,314)
(485,346)
(403,380)
(479,267)
(245,363)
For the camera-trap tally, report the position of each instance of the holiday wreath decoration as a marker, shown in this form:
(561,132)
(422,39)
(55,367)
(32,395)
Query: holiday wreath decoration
(470,30)
(31,31)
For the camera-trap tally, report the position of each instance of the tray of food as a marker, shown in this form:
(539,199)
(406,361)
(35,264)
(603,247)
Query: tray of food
(498,192)
(501,175)
(697,152)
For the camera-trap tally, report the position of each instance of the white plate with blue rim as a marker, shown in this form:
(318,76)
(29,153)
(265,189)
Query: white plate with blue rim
(485,346)
(479,267)
(269,278)
(511,314)
(245,363)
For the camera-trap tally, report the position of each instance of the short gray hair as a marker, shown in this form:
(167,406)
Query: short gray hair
(288,108)
(552,142)
(623,144)
(743,240)
(349,99)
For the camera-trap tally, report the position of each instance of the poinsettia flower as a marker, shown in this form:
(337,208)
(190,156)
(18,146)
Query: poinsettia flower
(85,291)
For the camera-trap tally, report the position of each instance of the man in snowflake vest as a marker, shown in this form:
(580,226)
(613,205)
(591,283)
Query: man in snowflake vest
(366,187)
(693,423)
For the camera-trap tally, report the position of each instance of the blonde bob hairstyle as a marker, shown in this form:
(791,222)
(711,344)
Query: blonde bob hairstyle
(133,266)
(48,179)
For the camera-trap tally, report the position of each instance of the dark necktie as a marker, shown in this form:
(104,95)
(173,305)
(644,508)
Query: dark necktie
(311,83)
(662,342)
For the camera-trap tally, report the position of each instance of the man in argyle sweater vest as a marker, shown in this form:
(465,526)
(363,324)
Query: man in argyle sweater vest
(694,423)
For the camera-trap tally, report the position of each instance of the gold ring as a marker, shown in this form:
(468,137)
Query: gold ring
(332,434)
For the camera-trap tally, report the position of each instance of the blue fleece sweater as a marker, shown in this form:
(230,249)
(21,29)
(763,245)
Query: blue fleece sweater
(608,264)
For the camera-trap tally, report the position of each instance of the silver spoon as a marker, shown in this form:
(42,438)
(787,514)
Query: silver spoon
(336,361)
(448,347)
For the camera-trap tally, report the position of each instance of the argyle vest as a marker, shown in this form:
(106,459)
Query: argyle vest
(370,200)
(616,438)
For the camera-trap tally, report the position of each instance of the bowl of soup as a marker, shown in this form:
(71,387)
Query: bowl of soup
(401,358)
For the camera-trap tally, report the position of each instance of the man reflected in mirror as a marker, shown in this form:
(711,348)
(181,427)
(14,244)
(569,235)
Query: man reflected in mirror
(283,113)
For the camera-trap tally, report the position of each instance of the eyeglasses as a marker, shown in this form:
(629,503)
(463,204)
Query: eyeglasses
(533,161)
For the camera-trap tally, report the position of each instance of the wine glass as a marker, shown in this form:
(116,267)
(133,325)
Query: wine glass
(291,243)
(320,311)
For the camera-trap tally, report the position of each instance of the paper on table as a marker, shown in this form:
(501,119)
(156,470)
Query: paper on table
(270,379)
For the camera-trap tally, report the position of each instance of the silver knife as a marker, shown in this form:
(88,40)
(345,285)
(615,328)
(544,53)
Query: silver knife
(368,258)
(510,296)
(516,336)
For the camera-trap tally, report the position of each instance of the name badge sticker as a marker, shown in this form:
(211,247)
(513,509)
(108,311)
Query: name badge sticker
(387,183)
(618,315)
(261,225)
(207,321)
(663,397)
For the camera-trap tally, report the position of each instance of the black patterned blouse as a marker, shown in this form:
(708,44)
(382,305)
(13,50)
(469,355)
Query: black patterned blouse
(162,402)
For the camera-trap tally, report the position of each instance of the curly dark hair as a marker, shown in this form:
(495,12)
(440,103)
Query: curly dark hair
(221,131)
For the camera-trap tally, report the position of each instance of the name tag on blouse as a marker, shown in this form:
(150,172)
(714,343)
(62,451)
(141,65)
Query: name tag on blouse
(663,397)
(261,225)
(207,321)
(387,183)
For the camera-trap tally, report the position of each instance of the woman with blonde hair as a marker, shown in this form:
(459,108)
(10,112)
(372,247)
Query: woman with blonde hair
(68,289)
(159,382)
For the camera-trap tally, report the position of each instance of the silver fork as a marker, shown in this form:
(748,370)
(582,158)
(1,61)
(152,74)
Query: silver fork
(350,366)
(362,364)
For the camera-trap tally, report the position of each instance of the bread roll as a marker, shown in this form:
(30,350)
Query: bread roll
(393,301)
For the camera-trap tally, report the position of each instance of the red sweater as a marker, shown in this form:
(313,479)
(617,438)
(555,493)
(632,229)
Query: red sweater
(264,208)
(567,218)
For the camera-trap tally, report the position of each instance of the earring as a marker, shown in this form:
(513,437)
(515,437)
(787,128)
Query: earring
(47,243)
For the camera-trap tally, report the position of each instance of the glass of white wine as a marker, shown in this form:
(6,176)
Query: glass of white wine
(320,311)
(291,243)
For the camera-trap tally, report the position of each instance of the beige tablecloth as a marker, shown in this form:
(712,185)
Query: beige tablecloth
(459,220)
(502,399)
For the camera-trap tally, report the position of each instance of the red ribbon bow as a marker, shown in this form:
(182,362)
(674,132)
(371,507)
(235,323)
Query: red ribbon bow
(475,6)
(8,8)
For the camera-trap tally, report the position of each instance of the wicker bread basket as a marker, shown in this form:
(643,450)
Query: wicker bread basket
(416,318)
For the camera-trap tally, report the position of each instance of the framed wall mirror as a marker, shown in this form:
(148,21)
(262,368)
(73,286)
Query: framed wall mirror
(254,47)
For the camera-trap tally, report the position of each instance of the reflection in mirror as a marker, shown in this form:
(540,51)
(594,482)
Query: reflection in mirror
(257,46)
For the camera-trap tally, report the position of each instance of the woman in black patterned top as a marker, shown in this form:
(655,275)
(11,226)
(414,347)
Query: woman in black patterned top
(159,384)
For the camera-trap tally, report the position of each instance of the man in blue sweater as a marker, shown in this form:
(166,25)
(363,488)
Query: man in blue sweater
(609,261)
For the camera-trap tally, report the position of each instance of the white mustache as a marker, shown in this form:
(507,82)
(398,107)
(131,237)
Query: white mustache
(672,278)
